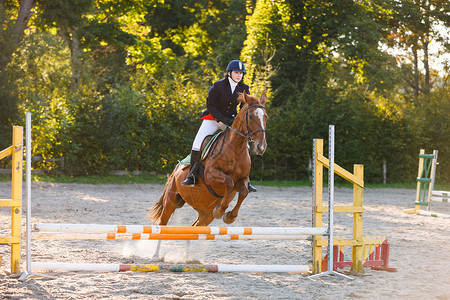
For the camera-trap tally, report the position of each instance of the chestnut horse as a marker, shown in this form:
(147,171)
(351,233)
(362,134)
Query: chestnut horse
(226,170)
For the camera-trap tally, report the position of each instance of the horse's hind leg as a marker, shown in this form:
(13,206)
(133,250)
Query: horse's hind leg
(172,201)
(204,218)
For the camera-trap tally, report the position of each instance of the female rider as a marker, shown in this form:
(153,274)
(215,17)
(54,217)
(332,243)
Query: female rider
(221,108)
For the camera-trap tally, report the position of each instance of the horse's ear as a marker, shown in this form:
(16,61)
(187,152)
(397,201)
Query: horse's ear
(241,98)
(263,98)
(244,98)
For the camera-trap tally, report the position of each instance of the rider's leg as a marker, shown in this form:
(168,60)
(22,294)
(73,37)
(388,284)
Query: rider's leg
(208,127)
(193,169)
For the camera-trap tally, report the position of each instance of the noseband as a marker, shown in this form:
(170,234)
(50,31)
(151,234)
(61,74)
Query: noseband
(249,133)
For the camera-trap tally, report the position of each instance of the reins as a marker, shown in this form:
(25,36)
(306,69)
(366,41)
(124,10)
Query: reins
(248,136)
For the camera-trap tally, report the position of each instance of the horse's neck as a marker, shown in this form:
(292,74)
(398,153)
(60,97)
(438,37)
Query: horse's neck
(236,141)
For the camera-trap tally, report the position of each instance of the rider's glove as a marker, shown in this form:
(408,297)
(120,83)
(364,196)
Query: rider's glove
(228,121)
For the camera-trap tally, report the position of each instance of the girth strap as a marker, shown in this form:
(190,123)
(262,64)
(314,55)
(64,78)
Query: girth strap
(210,189)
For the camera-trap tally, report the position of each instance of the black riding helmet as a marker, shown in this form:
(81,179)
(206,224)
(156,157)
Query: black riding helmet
(236,65)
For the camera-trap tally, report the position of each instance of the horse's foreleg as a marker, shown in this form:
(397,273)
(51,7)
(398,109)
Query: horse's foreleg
(215,176)
(205,217)
(220,209)
(231,216)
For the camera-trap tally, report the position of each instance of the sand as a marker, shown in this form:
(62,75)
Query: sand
(420,248)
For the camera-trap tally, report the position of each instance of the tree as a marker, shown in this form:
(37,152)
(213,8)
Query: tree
(413,27)
(14,19)
(13,31)
(88,27)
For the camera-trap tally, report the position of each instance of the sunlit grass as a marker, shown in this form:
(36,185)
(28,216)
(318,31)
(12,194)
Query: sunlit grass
(95,179)
(146,178)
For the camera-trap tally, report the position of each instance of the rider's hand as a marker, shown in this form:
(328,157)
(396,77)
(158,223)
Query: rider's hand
(228,121)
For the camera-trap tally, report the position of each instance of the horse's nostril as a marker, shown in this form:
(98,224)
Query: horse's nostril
(261,148)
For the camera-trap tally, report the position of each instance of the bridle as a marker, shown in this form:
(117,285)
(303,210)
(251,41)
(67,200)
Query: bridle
(249,133)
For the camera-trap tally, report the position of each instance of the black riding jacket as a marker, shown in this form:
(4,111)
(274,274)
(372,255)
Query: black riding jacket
(221,104)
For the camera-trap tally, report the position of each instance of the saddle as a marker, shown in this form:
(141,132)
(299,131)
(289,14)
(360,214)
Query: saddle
(205,149)
(210,145)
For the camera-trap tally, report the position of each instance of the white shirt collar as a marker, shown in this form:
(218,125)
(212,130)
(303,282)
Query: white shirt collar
(233,84)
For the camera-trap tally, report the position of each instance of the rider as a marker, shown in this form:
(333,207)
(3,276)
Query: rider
(221,108)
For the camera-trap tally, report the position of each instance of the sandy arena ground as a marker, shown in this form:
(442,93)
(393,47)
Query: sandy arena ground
(420,248)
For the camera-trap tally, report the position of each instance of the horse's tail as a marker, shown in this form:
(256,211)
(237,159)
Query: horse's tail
(156,210)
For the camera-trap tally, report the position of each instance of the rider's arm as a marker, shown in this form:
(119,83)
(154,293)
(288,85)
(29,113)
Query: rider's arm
(213,104)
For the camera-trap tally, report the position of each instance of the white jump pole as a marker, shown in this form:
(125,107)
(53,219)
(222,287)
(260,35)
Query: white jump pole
(28,271)
(75,267)
(330,270)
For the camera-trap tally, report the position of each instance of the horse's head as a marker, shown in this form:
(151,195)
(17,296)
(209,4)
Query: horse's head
(253,118)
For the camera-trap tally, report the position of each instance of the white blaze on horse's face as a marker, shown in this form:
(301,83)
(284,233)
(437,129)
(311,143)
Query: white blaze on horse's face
(259,147)
(259,112)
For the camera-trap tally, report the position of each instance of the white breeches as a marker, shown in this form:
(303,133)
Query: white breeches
(208,127)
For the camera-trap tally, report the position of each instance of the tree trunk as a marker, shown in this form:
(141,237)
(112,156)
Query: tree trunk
(75,52)
(17,32)
(427,68)
(70,35)
(416,76)
(22,19)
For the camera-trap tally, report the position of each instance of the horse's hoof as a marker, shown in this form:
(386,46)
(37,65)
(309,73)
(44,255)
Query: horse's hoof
(228,219)
(216,213)
(157,258)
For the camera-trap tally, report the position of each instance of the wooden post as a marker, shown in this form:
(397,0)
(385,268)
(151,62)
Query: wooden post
(16,197)
(419,174)
(358,191)
(318,197)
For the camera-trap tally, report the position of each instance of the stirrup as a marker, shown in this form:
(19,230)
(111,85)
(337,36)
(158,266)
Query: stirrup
(190,180)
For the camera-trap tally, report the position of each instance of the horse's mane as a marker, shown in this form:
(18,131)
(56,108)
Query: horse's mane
(250,98)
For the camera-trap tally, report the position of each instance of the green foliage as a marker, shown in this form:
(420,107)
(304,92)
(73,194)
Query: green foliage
(431,123)
(121,84)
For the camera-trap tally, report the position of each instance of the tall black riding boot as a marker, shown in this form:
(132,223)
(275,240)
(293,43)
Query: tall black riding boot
(251,188)
(193,169)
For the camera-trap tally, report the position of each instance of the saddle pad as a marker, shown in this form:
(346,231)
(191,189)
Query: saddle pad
(187,159)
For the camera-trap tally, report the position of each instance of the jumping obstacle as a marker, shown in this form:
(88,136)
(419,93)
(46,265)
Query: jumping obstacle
(425,193)
(376,255)
(360,253)
(136,232)
(171,268)
(162,237)
(155,232)
(16,153)
(156,229)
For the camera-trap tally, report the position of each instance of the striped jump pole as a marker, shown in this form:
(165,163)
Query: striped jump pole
(151,236)
(440,196)
(168,268)
(156,229)
(432,214)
